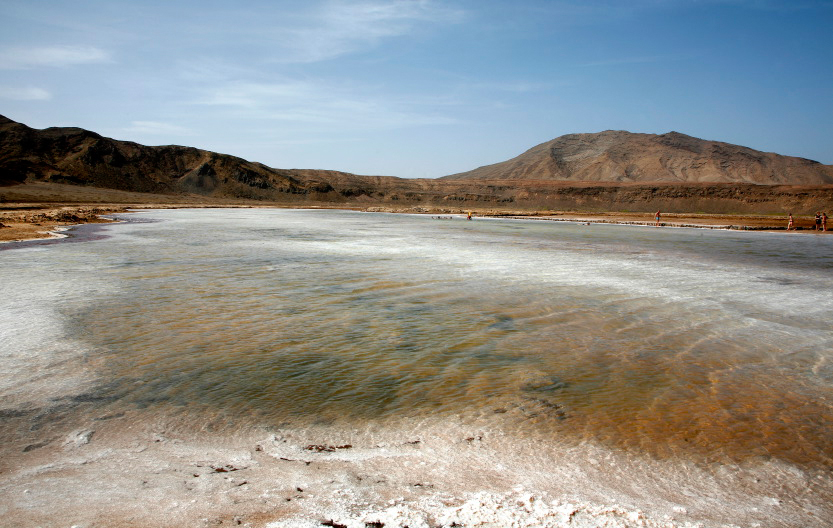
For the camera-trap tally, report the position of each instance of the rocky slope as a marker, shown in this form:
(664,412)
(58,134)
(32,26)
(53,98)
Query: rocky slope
(80,157)
(618,156)
(611,171)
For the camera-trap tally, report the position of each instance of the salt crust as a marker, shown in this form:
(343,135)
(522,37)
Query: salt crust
(129,473)
(514,509)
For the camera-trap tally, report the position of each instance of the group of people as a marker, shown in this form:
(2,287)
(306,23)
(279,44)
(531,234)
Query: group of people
(820,222)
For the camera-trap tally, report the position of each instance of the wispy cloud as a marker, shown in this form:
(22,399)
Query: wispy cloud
(22,57)
(310,102)
(341,27)
(258,95)
(28,93)
(156,128)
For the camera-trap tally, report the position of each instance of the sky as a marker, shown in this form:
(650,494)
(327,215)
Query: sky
(420,88)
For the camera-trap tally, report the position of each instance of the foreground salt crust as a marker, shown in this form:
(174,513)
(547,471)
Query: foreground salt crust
(126,471)
(512,509)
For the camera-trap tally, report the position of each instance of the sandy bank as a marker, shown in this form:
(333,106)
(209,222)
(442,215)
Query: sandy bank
(26,222)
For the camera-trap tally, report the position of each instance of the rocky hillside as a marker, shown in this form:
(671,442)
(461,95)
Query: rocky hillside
(80,157)
(618,156)
(611,171)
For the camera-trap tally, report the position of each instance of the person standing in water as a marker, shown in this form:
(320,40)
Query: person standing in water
(656,216)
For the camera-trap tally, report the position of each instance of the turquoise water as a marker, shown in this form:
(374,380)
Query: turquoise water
(668,342)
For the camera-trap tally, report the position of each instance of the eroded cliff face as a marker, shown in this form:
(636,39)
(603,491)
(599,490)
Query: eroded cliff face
(618,156)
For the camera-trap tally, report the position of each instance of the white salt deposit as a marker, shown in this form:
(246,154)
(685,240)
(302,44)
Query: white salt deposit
(294,368)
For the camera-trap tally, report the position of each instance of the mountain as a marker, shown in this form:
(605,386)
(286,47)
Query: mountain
(610,171)
(80,157)
(620,157)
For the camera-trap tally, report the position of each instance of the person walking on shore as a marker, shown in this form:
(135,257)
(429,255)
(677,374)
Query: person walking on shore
(790,223)
(824,221)
(657,218)
(818,221)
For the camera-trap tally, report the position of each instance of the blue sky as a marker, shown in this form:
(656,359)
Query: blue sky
(420,88)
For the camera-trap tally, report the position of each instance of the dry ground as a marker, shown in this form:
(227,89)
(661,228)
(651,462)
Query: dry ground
(37,209)
(25,221)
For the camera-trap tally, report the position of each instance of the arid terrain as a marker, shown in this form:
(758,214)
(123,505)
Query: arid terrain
(619,156)
(60,176)
(28,221)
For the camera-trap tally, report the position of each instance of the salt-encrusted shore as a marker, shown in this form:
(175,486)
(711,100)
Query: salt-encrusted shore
(20,222)
(128,471)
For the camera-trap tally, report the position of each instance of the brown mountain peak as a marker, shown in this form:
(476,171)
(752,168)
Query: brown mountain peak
(673,157)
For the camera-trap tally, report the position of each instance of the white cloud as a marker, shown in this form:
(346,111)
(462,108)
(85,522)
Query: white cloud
(343,27)
(21,57)
(321,103)
(156,128)
(252,95)
(24,94)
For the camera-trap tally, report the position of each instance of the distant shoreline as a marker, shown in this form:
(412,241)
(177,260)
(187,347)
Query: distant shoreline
(723,222)
(20,222)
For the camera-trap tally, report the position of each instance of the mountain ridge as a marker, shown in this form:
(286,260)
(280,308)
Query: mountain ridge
(74,165)
(82,157)
(619,156)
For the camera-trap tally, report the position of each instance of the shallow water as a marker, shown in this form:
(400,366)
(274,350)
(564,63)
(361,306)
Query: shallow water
(697,344)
